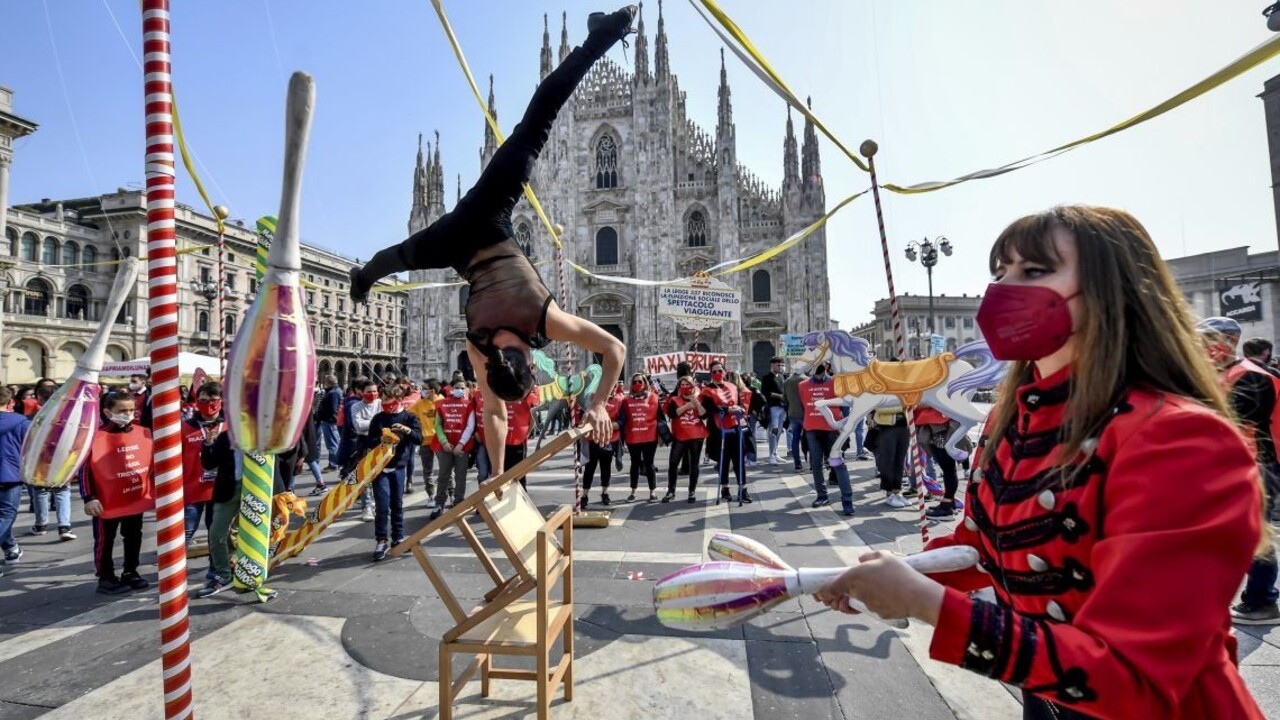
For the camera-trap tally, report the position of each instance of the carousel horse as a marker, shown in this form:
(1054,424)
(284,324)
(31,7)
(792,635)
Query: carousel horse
(565,387)
(944,382)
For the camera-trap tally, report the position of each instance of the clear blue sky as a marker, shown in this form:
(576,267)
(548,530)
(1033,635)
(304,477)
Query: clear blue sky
(946,87)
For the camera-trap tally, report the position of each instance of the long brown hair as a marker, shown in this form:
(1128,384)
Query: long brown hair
(1135,330)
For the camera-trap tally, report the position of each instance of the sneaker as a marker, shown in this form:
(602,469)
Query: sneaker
(36,530)
(895,501)
(632,496)
(653,497)
(692,499)
(910,492)
(941,511)
(367,515)
(582,503)
(111,586)
(213,587)
(604,498)
(436,513)
(616,24)
(65,535)
(798,468)
(331,468)
(359,287)
(134,581)
(408,488)
(13,554)
(773,460)
(319,489)
(864,456)
(846,509)
(724,493)
(746,496)
(821,502)
(380,551)
(668,497)
(1242,614)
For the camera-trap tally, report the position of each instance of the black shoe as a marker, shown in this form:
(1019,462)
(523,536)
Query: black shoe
(692,498)
(604,498)
(380,550)
(745,496)
(941,511)
(846,509)
(436,513)
(582,503)
(112,586)
(134,581)
(614,25)
(910,492)
(359,288)
(632,496)
(724,493)
(798,468)
(653,497)
(820,502)
(668,497)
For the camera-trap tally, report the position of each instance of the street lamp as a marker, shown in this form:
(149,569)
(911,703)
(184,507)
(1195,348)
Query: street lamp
(209,290)
(926,251)
(1272,16)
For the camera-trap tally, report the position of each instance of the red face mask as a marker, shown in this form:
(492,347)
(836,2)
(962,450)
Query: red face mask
(637,387)
(717,375)
(1024,322)
(687,391)
(209,408)
(391,406)
(1220,353)
(369,398)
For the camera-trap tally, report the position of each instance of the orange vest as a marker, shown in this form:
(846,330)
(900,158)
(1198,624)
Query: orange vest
(120,472)
(453,413)
(642,418)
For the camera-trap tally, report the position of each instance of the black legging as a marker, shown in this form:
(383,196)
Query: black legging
(950,480)
(891,456)
(642,460)
(731,453)
(482,218)
(686,453)
(596,455)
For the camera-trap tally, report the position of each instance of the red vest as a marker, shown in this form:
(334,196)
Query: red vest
(453,413)
(724,396)
(687,425)
(197,483)
(612,406)
(810,394)
(120,472)
(520,418)
(642,418)
(479,431)
(1233,374)
(926,415)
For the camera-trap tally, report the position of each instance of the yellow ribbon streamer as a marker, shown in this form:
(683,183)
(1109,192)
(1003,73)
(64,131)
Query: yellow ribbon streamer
(186,162)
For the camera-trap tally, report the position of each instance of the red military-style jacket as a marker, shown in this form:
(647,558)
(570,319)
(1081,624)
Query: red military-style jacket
(1114,584)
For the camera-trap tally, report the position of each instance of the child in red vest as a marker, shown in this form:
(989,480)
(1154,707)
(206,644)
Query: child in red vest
(117,488)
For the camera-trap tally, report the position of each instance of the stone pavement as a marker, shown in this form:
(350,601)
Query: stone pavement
(348,638)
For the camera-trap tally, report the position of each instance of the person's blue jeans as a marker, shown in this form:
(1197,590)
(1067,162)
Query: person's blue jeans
(797,434)
(777,416)
(192,512)
(315,471)
(61,497)
(388,502)
(411,458)
(10,496)
(859,435)
(820,444)
(483,466)
(329,433)
(1260,588)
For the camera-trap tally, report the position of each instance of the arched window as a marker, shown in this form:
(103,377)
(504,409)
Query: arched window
(78,303)
(378,342)
(326,335)
(49,251)
(761,287)
(10,241)
(342,337)
(30,247)
(115,259)
(524,238)
(695,232)
(202,322)
(89,258)
(70,254)
(606,162)
(761,353)
(464,294)
(229,325)
(606,246)
(35,300)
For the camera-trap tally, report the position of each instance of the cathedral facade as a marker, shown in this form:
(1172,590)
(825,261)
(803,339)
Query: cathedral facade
(643,192)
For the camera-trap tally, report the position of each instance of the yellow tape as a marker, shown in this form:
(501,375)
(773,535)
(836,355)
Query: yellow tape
(186,162)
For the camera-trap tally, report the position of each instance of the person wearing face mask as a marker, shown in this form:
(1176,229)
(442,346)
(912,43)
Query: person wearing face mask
(362,412)
(599,455)
(455,428)
(1255,397)
(425,410)
(142,399)
(197,483)
(347,443)
(822,437)
(689,428)
(724,406)
(1114,505)
(638,419)
(117,488)
(388,489)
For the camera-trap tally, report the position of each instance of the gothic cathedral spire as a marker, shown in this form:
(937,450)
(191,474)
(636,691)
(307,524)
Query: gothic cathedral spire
(490,139)
(726,139)
(661,65)
(418,206)
(546,50)
(811,163)
(790,158)
(435,184)
(564,36)
(642,51)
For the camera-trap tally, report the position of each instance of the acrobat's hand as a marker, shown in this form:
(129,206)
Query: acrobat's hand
(601,426)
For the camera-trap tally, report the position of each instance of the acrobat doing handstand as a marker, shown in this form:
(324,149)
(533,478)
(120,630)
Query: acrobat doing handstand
(510,311)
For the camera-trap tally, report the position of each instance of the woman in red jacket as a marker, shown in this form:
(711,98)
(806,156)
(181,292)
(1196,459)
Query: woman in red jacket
(1114,506)
(638,417)
(689,428)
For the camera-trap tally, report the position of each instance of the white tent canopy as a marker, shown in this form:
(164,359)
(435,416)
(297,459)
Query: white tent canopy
(187,365)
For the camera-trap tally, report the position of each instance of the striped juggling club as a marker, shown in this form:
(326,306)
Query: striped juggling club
(57,443)
(723,594)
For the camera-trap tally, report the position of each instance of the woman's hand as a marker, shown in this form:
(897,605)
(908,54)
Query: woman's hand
(93,508)
(887,586)
(601,426)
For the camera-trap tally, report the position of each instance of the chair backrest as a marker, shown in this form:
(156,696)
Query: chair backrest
(516,522)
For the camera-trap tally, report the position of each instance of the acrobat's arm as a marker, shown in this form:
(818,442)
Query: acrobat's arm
(570,328)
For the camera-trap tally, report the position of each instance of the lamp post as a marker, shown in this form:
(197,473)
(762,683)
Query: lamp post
(926,251)
(1272,16)
(209,290)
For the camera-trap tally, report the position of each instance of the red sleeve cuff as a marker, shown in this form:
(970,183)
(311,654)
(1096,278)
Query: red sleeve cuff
(951,636)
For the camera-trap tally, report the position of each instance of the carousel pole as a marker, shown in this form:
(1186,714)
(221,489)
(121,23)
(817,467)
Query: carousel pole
(868,150)
(162,285)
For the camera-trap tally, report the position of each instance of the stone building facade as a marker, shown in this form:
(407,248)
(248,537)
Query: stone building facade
(955,319)
(1248,282)
(643,192)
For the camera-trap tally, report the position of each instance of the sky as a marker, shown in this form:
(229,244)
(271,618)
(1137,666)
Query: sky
(945,87)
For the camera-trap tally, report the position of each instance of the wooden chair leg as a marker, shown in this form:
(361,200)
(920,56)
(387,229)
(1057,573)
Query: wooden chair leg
(544,685)
(568,651)
(446,682)
(486,663)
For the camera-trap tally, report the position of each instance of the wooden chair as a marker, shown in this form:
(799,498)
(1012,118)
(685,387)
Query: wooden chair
(518,616)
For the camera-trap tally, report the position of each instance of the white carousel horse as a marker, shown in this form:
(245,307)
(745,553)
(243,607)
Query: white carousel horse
(944,382)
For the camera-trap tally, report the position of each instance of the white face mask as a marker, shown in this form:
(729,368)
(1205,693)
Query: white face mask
(121,419)
(135,386)
(459,392)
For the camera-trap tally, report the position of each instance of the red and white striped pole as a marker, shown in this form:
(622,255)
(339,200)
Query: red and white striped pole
(868,150)
(162,285)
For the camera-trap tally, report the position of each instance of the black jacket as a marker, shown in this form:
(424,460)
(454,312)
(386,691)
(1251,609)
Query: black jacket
(221,457)
(330,402)
(407,443)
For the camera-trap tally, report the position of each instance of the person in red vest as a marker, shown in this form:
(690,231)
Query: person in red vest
(1255,396)
(932,430)
(638,418)
(117,488)
(197,483)
(822,437)
(519,425)
(456,420)
(479,457)
(723,404)
(689,428)
(601,455)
